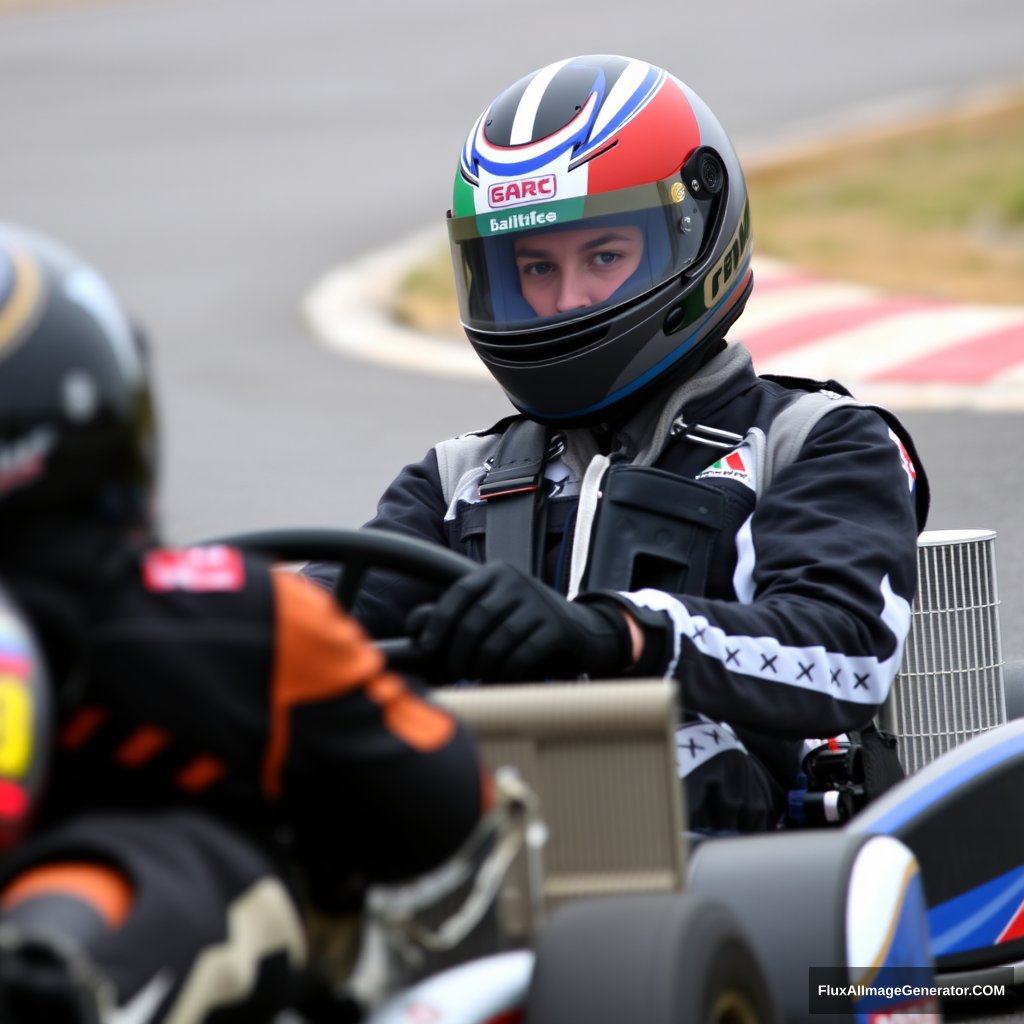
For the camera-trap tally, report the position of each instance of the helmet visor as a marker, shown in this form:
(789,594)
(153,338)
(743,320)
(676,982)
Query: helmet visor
(538,265)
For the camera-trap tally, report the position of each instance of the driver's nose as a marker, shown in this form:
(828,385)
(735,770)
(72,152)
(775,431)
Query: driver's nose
(572,293)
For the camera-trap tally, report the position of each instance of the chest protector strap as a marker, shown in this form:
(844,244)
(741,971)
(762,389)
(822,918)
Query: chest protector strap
(515,497)
(654,529)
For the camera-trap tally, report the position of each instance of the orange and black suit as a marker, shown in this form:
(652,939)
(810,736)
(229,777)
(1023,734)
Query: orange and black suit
(223,705)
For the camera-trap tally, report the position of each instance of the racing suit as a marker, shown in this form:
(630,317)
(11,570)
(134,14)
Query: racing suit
(800,628)
(229,742)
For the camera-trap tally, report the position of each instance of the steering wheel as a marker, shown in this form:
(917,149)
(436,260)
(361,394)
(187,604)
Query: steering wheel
(357,551)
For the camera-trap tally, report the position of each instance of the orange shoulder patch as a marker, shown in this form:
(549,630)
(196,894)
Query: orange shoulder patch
(423,726)
(321,653)
(105,890)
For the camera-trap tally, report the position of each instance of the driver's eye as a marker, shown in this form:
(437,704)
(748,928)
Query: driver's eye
(540,269)
(606,259)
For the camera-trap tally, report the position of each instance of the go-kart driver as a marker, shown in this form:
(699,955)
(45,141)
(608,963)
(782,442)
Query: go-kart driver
(228,745)
(600,235)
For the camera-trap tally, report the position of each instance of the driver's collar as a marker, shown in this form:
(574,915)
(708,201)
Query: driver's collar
(642,438)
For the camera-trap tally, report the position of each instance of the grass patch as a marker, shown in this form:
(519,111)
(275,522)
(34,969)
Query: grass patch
(426,298)
(936,210)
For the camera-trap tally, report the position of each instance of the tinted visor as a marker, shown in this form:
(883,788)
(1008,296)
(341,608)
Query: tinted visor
(535,266)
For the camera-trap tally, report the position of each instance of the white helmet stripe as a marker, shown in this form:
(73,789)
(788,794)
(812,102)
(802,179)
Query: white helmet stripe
(551,144)
(629,81)
(526,112)
(467,156)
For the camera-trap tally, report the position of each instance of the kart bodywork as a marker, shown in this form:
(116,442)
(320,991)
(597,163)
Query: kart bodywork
(932,869)
(963,816)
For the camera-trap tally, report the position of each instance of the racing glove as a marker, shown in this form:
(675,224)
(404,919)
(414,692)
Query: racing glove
(500,625)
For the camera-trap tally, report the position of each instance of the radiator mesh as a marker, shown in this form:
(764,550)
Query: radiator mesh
(950,685)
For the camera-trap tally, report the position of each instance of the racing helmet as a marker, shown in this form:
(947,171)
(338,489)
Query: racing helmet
(600,234)
(76,416)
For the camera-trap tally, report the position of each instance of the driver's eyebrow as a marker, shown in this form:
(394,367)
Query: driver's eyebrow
(533,254)
(605,239)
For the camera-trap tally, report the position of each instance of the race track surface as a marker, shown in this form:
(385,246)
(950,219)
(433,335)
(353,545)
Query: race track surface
(213,157)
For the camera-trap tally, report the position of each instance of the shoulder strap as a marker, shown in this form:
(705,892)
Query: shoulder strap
(515,498)
(461,455)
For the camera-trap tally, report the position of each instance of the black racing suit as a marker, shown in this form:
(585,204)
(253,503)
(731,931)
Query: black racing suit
(221,724)
(800,629)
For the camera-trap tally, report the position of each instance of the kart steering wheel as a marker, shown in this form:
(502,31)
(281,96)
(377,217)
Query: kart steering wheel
(357,551)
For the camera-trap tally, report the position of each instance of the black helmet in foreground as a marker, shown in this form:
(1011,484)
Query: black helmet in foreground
(600,235)
(76,416)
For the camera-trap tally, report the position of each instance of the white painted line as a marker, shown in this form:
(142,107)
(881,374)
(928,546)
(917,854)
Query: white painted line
(773,271)
(1014,375)
(992,397)
(776,307)
(864,351)
(348,310)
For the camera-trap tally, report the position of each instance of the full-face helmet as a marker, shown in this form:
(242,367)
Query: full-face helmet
(76,418)
(600,234)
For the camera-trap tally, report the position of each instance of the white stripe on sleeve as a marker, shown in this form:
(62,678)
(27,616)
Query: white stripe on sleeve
(858,679)
(698,742)
(743,575)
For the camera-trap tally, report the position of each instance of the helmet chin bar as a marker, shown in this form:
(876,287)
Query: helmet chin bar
(626,407)
(645,327)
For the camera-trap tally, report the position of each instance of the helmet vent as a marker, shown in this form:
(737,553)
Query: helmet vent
(675,319)
(531,347)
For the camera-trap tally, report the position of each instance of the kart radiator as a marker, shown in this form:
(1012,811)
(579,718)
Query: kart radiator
(602,760)
(950,686)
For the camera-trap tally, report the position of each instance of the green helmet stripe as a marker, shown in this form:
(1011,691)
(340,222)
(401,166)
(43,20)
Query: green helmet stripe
(462,201)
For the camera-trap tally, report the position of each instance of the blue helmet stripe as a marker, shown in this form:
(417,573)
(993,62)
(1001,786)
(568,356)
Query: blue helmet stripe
(636,102)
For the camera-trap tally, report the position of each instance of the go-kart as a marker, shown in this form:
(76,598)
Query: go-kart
(649,924)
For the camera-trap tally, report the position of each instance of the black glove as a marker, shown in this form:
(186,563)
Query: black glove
(500,625)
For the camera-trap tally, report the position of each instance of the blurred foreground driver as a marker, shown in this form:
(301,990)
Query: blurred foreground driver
(229,751)
(752,537)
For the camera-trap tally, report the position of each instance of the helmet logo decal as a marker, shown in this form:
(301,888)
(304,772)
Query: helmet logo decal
(522,220)
(23,301)
(24,459)
(524,190)
(734,257)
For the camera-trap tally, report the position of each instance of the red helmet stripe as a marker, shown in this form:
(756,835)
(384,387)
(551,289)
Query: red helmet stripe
(652,146)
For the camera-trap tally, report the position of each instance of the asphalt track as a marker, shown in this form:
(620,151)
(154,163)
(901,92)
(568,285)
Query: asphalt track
(213,157)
